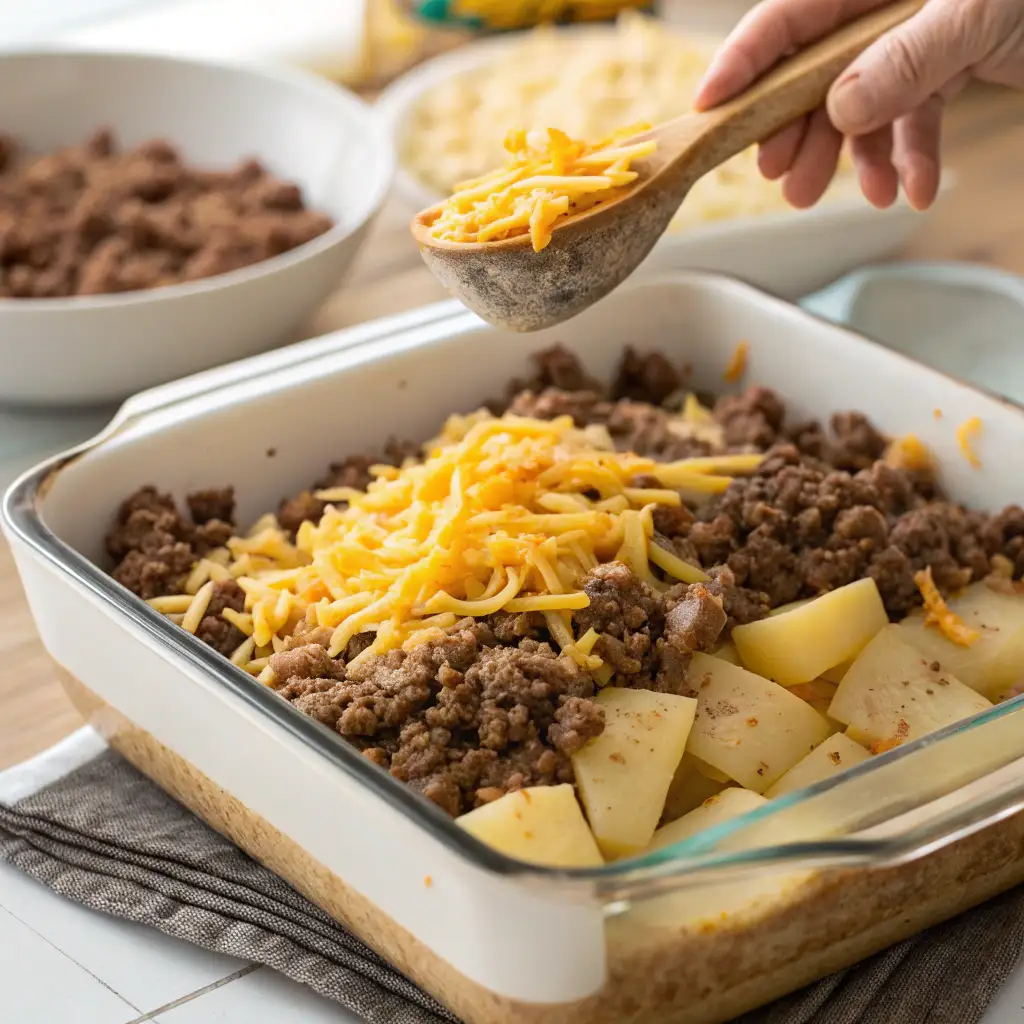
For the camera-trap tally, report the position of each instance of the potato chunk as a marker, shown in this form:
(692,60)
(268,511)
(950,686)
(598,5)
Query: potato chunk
(540,825)
(893,695)
(995,661)
(690,787)
(751,729)
(800,644)
(624,774)
(830,758)
(727,652)
(730,803)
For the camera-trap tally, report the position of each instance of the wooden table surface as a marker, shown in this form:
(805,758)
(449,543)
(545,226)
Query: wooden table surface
(982,221)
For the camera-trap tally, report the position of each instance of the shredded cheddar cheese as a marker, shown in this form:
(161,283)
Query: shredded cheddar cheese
(964,434)
(737,363)
(502,514)
(547,178)
(939,614)
(911,453)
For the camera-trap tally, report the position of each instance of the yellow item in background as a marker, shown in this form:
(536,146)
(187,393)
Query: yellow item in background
(393,41)
(503,15)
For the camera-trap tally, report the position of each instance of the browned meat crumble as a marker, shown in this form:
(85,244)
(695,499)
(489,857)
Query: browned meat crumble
(91,220)
(491,706)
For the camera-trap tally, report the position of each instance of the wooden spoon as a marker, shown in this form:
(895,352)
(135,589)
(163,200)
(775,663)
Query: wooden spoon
(508,284)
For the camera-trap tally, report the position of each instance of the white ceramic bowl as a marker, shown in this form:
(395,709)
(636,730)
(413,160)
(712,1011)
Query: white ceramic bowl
(788,252)
(95,349)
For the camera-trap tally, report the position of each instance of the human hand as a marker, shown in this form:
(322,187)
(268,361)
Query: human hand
(889,102)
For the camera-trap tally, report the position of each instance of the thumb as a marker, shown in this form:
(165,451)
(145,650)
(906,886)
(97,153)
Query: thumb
(907,66)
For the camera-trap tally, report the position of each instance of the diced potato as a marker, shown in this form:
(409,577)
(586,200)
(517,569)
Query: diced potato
(799,645)
(818,693)
(624,774)
(892,695)
(727,652)
(836,673)
(730,803)
(541,825)
(995,661)
(830,758)
(690,788)
(791,607)
(751,729)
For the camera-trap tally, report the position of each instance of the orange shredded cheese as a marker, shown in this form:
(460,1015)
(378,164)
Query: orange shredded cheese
(547,178)
(501,514)
(937,413)
(964,434)
(909,452)
(902,732)
(737,363)
(939,614)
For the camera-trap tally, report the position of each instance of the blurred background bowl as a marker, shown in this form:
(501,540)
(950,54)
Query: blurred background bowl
(98,349)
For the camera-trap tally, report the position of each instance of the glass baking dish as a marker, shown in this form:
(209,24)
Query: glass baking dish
(699,932)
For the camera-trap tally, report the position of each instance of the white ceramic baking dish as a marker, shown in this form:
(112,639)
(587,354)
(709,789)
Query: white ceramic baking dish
(744,247)
(696,933)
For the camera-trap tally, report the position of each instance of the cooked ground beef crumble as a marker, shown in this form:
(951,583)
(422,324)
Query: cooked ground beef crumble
(492,706)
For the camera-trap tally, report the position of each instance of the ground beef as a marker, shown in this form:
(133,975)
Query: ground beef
(647,377)
(154,547)
(352,472)
(555,368)
(459,718)
(89,220)
(213,504)
(648,637)
(752,419)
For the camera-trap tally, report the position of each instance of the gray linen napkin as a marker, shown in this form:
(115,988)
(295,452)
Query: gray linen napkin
(104,836)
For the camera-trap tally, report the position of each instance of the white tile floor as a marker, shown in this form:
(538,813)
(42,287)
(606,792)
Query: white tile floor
(64,964)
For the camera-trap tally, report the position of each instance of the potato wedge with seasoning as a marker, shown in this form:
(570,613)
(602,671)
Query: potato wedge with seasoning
(835,755)
(690,787)
(995,660)
(730,803)
(893,694)
(624,774)
(801,643)
(541,825)
(748,727)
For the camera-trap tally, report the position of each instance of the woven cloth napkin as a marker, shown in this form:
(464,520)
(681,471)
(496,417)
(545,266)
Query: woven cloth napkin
(85,823)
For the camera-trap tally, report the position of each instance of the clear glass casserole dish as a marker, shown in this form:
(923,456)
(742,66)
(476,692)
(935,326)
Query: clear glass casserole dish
(700,931)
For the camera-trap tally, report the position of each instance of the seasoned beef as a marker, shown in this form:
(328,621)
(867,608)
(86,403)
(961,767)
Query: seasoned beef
(696,621)
(352,472)
(155,547)
(90,220)
(220,634)
(752,419)
(458,718)
(585,407)
(648,638)
(647,377)
(212,504)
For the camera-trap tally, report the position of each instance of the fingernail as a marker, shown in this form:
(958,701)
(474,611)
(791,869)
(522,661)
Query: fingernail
(849,105)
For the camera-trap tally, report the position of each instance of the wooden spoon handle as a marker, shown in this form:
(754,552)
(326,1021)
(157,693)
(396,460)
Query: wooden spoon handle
(797,85)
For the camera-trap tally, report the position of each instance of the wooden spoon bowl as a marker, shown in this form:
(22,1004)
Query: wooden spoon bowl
(510,285)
